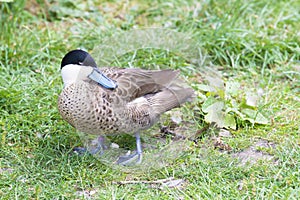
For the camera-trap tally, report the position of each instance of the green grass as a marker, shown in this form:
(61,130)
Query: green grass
(253,42)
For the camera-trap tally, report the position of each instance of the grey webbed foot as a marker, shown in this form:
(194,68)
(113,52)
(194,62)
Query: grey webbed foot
(98,147)
(80,150)
(135,158)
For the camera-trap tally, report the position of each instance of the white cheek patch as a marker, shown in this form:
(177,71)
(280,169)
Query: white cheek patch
(70,74)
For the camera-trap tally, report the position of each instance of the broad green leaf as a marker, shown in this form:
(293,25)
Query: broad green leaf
(216,116)
(251,99)
(215,113)
(229,121)
(236,111)
(206,88)
(254,116)
(222,119)
(209,104)
(232,89)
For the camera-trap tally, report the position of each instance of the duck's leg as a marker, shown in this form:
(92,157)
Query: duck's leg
(137,156)
(98,148)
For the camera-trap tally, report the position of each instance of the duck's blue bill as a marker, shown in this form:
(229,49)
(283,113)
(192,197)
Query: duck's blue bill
(102,80)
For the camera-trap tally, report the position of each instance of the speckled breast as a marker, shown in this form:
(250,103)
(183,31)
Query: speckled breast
(89,109)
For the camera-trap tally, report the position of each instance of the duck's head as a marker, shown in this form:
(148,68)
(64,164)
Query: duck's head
(78,65)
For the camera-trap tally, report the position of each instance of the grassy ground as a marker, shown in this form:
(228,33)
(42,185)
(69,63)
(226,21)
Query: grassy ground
(256,43)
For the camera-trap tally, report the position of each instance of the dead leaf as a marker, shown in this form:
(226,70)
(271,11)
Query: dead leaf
(219,144)
(173,183)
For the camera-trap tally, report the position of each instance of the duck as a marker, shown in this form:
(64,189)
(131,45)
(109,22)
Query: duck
(111,100)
